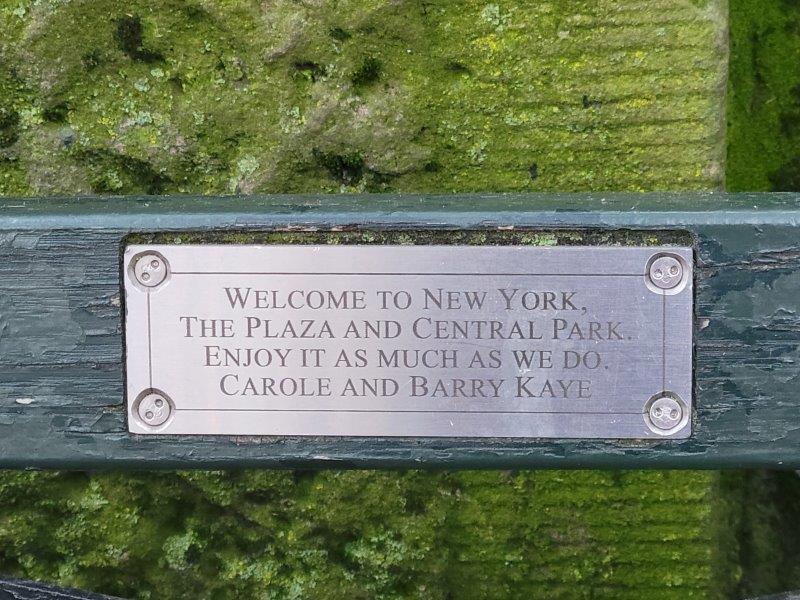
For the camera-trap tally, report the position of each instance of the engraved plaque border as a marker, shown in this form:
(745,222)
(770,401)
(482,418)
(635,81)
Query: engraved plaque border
(461,262)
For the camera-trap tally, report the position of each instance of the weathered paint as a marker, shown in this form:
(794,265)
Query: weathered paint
(61,375)
(17,589)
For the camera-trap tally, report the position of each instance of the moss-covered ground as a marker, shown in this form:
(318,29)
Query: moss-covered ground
(356,534)
(221,96)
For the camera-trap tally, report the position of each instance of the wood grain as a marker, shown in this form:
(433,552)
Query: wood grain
(61,347)
(17,589)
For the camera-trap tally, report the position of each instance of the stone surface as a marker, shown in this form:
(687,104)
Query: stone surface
(243,96)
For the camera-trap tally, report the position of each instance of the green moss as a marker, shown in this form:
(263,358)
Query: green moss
(129,37)
(764,96)
(522,236)
(366,534)
(347,168)
(524,96)
(535,542)
(367,72)
(9,127)
(582,534)
(339,34)
(765,511)
(221,96)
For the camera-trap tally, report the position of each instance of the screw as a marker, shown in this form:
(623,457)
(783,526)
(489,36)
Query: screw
(154,409)
(150,269)
(665,414)
(665,272)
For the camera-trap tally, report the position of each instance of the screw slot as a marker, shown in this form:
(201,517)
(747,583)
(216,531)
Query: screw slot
(153,409)
(666,413)
(666,273)
(149,269)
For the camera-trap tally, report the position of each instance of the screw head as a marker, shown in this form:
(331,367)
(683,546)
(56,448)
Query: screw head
(150,269)
(665,272)
(666,414)
(153,409)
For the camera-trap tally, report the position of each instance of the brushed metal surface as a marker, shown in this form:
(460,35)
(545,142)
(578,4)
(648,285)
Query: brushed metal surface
(429,341)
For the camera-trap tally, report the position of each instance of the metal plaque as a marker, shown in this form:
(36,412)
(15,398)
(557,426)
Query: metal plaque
(433,341)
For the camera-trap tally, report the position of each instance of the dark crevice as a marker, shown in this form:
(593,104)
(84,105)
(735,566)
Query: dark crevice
(345,168)
(56,112)
(339,34)
(129,35)
(309,69)
(9,127)
(368,72)
(132,175)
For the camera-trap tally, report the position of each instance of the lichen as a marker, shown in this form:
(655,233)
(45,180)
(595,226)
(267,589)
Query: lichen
(496,237)
(464,96)
(221,96)
(333,534)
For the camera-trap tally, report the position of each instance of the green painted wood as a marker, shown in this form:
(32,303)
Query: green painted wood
(17,589)
(61,373)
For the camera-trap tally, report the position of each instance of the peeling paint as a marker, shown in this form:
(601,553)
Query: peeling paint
(747,365)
